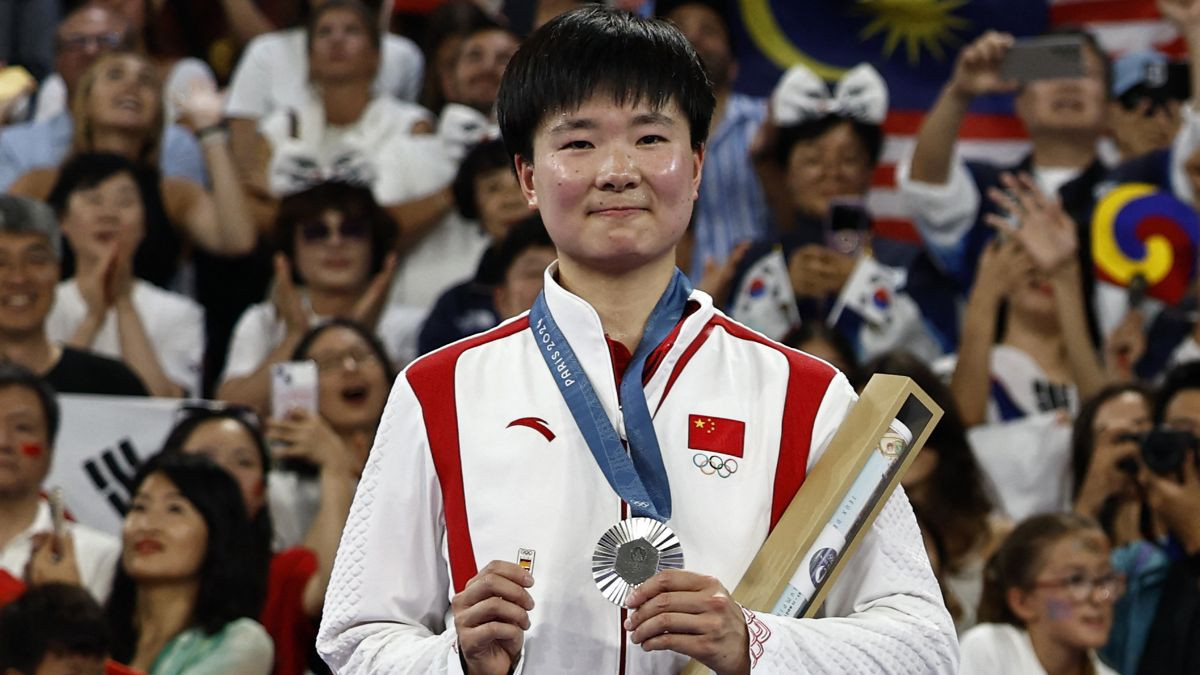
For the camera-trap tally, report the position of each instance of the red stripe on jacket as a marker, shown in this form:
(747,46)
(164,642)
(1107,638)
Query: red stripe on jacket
(432,381)
(808,381)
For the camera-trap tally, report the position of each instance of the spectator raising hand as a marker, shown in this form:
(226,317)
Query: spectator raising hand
(976,73)
(1043,229)
(1003,267)
(1049,235)
(1184,14)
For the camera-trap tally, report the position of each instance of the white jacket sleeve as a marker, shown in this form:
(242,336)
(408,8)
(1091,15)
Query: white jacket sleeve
(1187,141)
(885,612)
(943,213)
(388,599)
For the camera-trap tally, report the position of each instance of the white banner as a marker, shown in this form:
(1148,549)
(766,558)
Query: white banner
(102,440)
(1028,462)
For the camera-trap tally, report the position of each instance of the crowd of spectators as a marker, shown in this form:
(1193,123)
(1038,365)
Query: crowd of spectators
(195,193)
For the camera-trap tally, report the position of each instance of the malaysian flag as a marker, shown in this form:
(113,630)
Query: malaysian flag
(913,44)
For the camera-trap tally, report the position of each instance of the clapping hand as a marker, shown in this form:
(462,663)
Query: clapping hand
(286,298)
(370,304)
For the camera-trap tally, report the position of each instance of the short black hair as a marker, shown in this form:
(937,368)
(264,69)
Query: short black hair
(59,619)
(157,257)
(663,8)
(352,201)
(16,375)
(84,172)
(870,135)
(819,330)
(369,17)
(524,235)
(487,23)
(595,50)
(1183,377)
(487,156)
(233,574)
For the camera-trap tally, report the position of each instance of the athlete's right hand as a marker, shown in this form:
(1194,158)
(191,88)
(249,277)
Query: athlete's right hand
(491,615)
(977,70)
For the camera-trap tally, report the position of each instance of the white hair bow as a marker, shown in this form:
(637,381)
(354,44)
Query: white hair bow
(801,96)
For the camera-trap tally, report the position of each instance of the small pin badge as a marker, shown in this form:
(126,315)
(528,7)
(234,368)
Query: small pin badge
(525,559)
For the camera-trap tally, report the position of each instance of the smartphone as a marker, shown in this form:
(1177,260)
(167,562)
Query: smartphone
(847,227)
(293,385)
(1045,57)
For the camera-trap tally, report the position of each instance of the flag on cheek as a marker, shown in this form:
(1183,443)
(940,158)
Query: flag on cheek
(716,434)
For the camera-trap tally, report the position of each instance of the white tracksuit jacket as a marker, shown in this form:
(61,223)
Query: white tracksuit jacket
(451,484)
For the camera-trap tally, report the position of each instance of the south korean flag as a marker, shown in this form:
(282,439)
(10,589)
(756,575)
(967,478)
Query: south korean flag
(764,299)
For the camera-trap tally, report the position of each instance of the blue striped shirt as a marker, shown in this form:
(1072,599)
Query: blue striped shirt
(731,208)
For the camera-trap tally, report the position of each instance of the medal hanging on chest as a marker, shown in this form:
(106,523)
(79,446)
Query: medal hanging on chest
(631,552)
(636,548)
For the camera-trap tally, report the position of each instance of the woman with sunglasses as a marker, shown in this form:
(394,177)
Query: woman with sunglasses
(334,259)
(1048,599)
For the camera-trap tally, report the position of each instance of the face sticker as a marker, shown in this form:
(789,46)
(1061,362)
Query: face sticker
(1059,610)
(31,449)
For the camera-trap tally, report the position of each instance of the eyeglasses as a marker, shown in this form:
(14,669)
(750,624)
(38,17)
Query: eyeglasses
(315,231)
(78,43)
(330,362)
(1081,587)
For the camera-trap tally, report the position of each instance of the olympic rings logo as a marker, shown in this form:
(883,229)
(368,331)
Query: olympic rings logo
(721,466)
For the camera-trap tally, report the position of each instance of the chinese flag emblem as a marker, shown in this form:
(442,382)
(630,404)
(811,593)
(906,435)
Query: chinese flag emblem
(716,434)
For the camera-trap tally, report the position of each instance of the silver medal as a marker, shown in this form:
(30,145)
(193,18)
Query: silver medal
(631,552)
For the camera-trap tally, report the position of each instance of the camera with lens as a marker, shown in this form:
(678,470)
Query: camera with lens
(1163,450)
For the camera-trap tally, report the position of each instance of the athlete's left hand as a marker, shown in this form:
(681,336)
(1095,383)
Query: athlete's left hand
(693,615)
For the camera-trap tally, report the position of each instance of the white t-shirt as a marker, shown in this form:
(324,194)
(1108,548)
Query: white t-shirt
(96,552)
(372,151)
(273,73)
(174,324)
(1021,386)
(294,500)
(446,257)
(260,330)
(1001,649)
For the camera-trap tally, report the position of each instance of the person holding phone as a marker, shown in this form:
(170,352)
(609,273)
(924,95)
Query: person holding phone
(826,146)
(1064,116)
(320,449)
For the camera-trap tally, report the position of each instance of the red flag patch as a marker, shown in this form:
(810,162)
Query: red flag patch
(716,434)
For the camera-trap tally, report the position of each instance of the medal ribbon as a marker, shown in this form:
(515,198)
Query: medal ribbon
(637,476)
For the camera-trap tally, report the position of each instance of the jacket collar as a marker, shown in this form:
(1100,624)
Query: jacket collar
(580,324)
